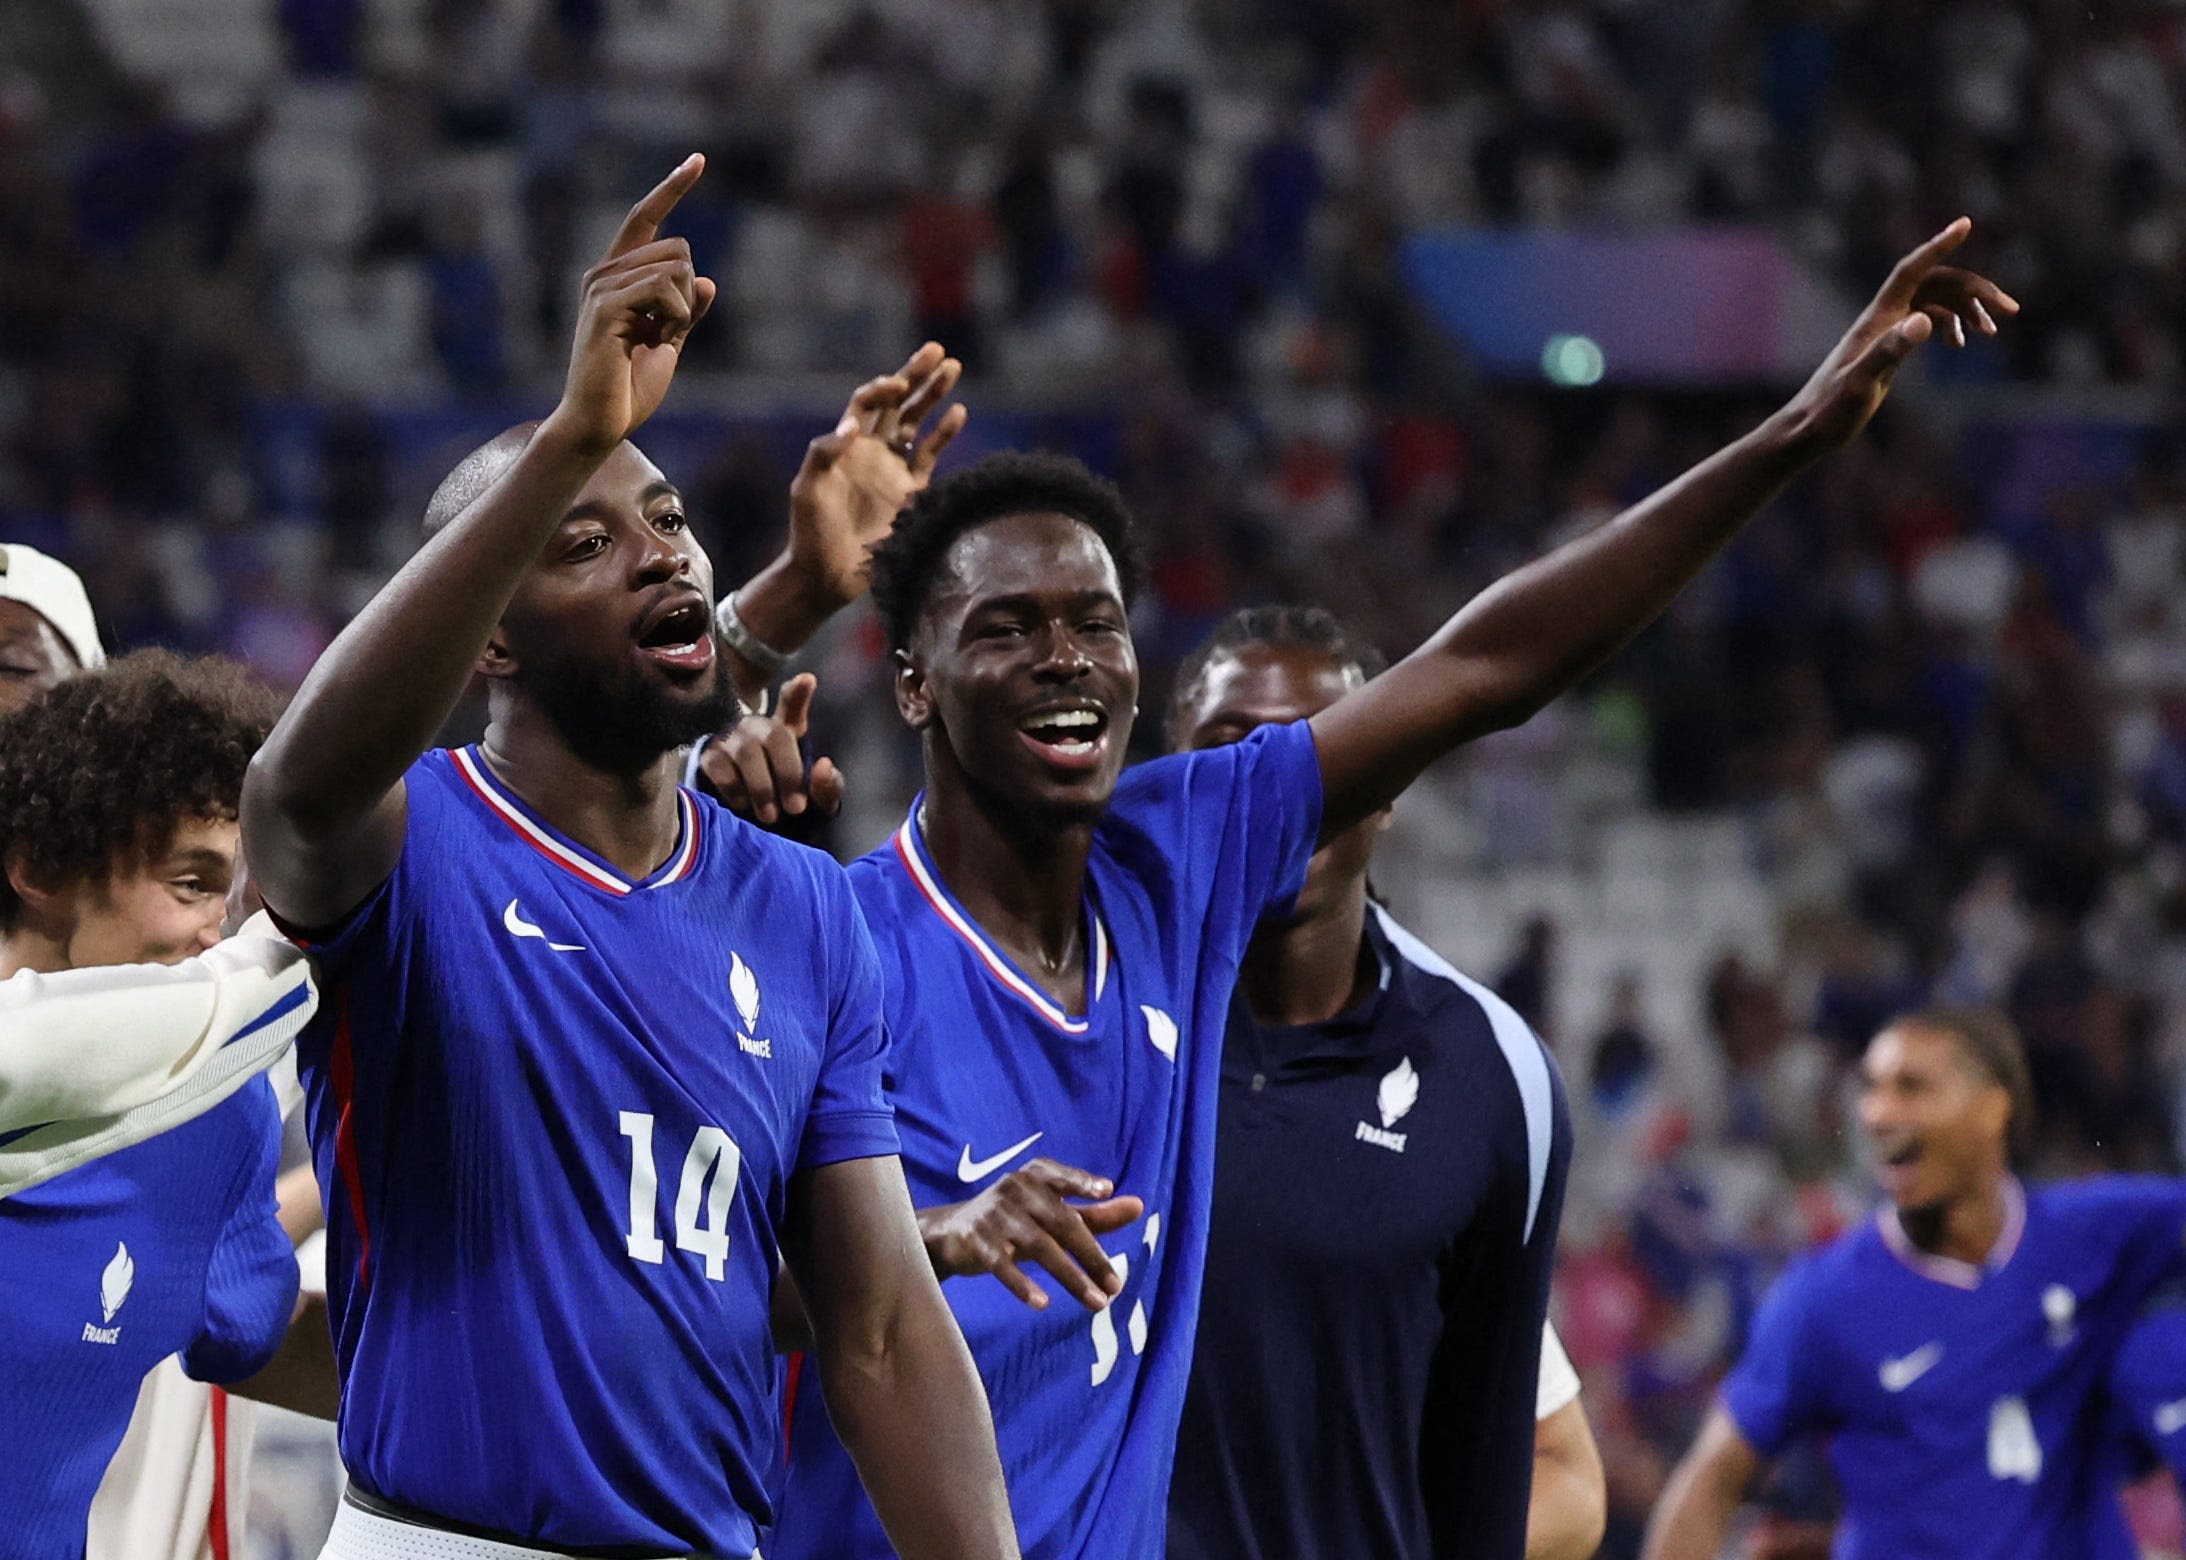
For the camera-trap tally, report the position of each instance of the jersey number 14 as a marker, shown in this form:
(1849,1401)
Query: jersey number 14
(715,1158)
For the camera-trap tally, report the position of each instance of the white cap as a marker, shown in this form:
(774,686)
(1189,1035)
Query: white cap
(53,590)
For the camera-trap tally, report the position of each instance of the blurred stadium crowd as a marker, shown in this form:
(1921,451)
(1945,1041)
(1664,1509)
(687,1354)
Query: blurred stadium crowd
(264,269)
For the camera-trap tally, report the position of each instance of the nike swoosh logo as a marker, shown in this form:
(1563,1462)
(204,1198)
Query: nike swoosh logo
(513,919)
(1899,1374)
(2170,1418)
(969,1169)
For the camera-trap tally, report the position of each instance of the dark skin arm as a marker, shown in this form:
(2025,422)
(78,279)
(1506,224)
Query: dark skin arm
(1703,1494)
(854,481)
(901,1388)
(1532,635)
(323,805)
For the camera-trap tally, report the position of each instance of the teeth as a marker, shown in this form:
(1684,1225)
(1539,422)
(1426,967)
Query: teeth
(1063,718)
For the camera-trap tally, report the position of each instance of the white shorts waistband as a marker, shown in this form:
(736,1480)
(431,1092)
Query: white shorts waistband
(364,1535)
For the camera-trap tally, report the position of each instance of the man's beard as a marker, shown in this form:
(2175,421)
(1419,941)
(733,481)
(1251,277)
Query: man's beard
(619,719)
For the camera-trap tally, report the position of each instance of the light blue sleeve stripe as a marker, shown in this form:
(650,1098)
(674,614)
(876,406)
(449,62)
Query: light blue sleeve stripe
(1521,1049)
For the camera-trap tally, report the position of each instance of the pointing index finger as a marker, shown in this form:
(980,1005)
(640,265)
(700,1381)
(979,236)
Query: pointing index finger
(642,225)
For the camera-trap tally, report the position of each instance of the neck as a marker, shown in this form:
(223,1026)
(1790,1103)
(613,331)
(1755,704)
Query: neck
(1308,971)
(628,817)
(24,949)
(1023,883)
(1965,1229)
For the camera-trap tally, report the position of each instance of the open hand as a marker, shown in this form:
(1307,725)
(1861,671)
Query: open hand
(757,767)
(856,478)
(640,303)
(1023,1217)
(1921,297)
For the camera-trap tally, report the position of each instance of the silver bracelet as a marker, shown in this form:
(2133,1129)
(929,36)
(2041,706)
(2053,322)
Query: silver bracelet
(763,656)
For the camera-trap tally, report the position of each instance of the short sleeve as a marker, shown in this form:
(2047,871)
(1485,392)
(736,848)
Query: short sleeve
(1773,1394)
(1237,824)
(251,1279)
(366,939)
(850,1117)
(2148,1379)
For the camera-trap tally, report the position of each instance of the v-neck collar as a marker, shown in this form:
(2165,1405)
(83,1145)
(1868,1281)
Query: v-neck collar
(565,852)
(1956,1272)
(910,846)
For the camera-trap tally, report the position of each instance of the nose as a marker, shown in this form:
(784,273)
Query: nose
(658,558)
(1062,657)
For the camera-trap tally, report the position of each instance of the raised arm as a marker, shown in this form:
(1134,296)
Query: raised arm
(1703,1494)
(323,807)
(900,1384)
(853,482)
(1535,633)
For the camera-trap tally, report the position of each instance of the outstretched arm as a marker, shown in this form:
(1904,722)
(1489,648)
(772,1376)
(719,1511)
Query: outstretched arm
(901,1388)
(323,806)
(1535,633)
(1703,1494)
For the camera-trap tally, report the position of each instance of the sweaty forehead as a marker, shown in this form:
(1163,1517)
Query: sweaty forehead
(1024,555)
(622,479)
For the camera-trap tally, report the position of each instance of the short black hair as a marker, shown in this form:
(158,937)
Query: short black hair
(99,771)
(1992,1044)
(1013,483)
(1278,627)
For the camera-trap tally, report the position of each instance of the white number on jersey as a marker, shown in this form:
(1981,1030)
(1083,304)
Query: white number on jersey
(714,1155)
(1106,1347)
(2014,1452)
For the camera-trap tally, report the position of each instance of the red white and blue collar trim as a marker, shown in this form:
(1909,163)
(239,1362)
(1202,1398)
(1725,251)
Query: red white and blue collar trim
(479,776)
(1951,1270)
(912,851)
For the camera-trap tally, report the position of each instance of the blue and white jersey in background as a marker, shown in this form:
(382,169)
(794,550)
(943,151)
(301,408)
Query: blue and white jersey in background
(171,1246)
(987,1073)
(1961,1402)
(555,1113)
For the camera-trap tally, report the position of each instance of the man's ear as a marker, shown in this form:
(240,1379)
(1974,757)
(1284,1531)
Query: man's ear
(41,896)
(914,700)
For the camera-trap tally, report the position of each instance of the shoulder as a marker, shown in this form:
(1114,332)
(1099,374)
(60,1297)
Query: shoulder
(1462,1007)
(1842,1267)
(1281,753)
(2107,1203)
(746,849)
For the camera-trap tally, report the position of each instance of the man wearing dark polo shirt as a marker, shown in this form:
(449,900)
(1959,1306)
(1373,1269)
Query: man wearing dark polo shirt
(1390,1172)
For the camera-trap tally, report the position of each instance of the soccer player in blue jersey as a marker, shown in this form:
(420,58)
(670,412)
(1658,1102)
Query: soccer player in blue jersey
(118,794)
(1062,938)
(592,1050)
(1390,1173)
(1952,1348)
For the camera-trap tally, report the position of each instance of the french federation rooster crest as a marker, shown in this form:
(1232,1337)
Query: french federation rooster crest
(744,987)
(115,1281)
(1399,1092)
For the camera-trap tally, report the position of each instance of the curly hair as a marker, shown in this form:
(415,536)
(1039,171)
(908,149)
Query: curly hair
(1278,627)
(98,772)
(1015,483)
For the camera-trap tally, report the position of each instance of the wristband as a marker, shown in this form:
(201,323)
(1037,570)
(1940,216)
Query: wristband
(767,660)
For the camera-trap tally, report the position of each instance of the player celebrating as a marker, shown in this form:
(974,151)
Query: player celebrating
(592,1050)
(1393,1148)
(1062,944)
(1953,1346)
(170,1245)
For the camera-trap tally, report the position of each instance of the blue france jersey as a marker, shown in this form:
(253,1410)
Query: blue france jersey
(1962,1402)
(2148,1383)
(171,1246)
(987,1073)
(555,1113)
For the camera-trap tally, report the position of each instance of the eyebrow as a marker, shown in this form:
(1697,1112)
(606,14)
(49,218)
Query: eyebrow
(593,509)
(198,860)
